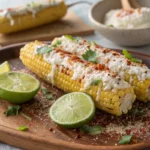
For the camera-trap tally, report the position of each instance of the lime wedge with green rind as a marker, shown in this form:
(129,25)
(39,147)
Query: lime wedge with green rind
(18,87)
(73,110)
(4,67)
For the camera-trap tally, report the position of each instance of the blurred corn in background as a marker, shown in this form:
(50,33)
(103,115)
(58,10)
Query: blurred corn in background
(29,15)
(41,23)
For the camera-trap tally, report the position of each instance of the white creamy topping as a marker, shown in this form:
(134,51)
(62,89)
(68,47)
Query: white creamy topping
(115,63)
(98,94)
(126,102)
(32,8)
(81,71)
(139,18)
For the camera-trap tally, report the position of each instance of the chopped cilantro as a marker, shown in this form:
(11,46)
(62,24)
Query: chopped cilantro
(137,112)
(110,25)
(91,130)
(75,39)
(126,54)
(90,56)
(125,139)
(44,50)
(69,37)
(22,128)
(96,82)
(47,93)
(12,110)
(148,105)
(58,42)
(130,57)
(25,116)
(32,4)
(136,60)
(92,42)
(40,6)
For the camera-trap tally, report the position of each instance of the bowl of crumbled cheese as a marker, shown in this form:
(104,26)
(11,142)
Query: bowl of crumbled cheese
(123,27)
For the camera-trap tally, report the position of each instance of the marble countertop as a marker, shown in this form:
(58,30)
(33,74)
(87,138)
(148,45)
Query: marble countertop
(83,13)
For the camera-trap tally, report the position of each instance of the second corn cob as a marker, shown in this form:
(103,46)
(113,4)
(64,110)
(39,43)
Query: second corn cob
(71,74)
(138,75)
(31,15)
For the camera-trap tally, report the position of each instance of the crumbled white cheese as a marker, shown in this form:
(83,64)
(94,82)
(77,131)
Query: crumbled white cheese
(82,71)
(115,63)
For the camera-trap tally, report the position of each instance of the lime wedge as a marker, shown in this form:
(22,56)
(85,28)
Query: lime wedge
(4,67)
(18,87)
(73,110)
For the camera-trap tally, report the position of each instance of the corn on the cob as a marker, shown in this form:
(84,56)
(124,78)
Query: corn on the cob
(138,75)
(31,15)
(71,74)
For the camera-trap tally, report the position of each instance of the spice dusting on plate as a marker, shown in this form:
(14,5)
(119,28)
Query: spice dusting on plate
(113,127)
(134,123)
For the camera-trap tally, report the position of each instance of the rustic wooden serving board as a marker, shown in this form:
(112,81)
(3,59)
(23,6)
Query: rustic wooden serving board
(43,134)
(70,24)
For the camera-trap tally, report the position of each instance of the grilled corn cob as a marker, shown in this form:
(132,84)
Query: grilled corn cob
(138,75)
(71,74)
(31,15)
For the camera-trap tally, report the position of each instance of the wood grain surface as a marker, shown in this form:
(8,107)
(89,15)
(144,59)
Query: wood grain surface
(43,134)
(70,24)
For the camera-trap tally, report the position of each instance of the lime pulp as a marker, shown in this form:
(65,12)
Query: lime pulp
(18,87)
(73,110)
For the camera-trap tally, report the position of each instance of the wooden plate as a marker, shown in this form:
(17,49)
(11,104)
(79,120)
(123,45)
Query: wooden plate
(44,134)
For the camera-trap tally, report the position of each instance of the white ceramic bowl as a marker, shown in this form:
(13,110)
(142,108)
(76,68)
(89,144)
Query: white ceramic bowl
(124,37)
